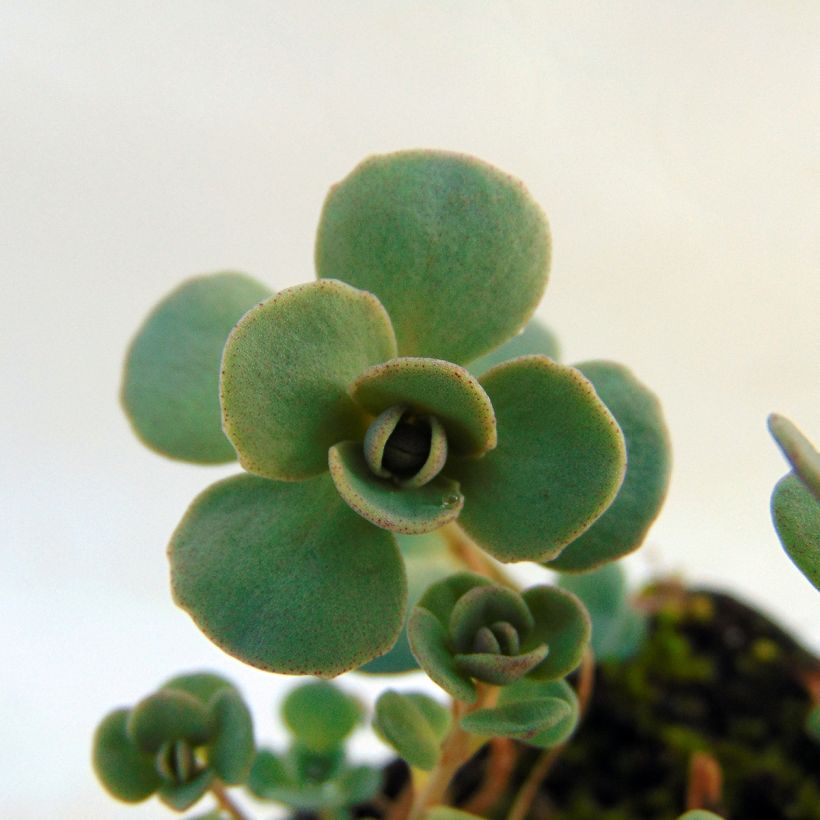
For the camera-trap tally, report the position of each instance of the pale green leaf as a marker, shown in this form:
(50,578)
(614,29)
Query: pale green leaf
(796,514)
(170,386)
(286,370)
(437,388)
(558,465)
(456,250)
(623,527)
(284,576)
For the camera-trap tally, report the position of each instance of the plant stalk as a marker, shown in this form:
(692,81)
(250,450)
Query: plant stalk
(456,748)
(465,550)
(226,802)
(546,760)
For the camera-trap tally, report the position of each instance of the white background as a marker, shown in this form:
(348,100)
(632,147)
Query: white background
(674,147)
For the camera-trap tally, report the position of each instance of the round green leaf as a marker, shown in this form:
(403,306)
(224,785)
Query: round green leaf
(534,338)
(618,629)
(402,725)
(286,578)
(623,527)
(202,685)
(183,796)
(800,452)
(125,770)
(232,750)
(169,715)
(520,719)
(796,515)
(437,388)
(286,370)
(170,386)
(562,623)
(426,559)
(559,462)
(320,715)
(528,689)
(409,510)
(456,250)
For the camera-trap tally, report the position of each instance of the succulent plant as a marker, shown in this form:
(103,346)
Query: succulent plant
(350,403)
(192,734)
(400,420)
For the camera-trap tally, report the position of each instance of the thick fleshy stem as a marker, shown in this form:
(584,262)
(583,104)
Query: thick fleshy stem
(500,764)
(456,748)
(225,801)
(546,760)
(463,548)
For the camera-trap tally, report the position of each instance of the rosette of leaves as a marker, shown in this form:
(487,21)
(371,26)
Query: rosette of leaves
(466,629)
(349,403)
(314,773)
(176,743)
(796,499)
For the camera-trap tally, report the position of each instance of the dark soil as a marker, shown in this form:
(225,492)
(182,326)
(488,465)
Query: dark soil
(714,676)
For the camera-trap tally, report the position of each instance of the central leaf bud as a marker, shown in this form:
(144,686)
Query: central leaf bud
(408,447)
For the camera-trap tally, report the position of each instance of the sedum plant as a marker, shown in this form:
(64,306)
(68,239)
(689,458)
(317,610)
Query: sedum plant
(404,428)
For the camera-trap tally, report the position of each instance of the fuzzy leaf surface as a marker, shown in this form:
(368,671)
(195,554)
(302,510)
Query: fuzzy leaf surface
(623,527)
(442,389)
(285,373)
(457,251)
(408,510)
(559,462)
(535,338)
(404,726)
(518,719)
(285,577)
(562,623)
(796,515)
(125,770)
(170,387)
(528,689)
(320,715)
(428,641)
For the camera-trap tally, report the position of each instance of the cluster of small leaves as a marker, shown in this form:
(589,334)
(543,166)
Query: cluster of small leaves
(382,402)
(796,499)
(178,742)
(313,774)
(467,631)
